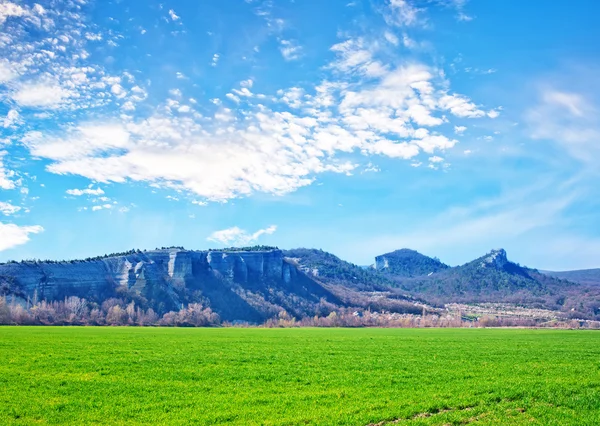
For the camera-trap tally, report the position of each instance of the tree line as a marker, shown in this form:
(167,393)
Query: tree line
(115,312)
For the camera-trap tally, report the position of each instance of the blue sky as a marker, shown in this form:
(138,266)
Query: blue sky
(448,126)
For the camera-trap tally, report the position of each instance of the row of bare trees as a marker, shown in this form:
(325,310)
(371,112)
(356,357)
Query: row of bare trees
(350,318)
(76,311)
(114,312)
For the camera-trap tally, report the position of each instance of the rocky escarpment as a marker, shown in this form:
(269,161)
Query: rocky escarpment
(239,285)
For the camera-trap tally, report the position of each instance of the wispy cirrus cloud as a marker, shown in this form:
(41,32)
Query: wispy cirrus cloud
(568,118)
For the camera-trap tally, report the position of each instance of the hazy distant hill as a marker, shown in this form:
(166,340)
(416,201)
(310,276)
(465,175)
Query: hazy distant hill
(408,263)
(584,276)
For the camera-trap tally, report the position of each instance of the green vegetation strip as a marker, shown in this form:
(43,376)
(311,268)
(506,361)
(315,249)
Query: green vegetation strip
(180,376)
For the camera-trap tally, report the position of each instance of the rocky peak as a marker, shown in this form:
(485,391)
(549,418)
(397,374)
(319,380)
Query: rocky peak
(495,259)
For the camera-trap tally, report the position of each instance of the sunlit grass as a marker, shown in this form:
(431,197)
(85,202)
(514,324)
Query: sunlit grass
(298,376)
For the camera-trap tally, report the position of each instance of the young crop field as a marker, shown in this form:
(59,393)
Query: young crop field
(77,375)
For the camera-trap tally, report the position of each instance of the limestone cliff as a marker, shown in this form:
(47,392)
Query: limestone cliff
(247,285)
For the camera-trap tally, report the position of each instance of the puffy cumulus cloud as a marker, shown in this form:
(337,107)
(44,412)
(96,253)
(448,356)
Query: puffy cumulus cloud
(8,9)
(12,235)
(260,147)
(102,207)
(461,106)
(87,191)
(8,209)
(173,15)
(240,237)
(40,95)
(245,142)
(459,130)
(12,118)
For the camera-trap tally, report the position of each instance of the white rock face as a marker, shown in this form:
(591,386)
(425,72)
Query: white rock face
(164,268)
(497,258)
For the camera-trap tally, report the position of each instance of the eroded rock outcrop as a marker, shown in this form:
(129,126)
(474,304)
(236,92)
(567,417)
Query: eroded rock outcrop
(234,283)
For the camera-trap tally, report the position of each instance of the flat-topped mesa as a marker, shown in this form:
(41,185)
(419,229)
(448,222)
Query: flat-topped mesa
(136,271)
(245,266)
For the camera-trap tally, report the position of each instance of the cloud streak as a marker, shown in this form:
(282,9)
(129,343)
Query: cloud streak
(239,237)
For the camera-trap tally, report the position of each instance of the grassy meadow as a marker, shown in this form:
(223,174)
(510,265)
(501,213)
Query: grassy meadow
(85,375)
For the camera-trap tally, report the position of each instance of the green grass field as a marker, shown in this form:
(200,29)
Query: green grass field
(298,376)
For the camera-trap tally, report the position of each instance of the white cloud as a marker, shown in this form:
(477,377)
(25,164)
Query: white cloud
(12,117)
(6,72)
(12,235)
(102,207)
(5,175)
(391,38)
(459,130)
(569,119)
(436,159)
(8,209)
(403,13)
(269,150)
(173,15)
(118,91)
(87,191)
(8,9)
(175,92)
(461,106)
(40,95)
(464,17)
(268,143)
(290,50)
(237,236)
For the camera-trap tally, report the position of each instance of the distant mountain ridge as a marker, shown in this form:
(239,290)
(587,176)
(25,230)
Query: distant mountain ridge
(248,284)
(583,276)
(493,278)
(256,283)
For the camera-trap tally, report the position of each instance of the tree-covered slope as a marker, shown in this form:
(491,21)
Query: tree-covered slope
(493,278)
(331,269)
(408,263)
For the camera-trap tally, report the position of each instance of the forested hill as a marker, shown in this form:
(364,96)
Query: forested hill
(493,278)
(408,263)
